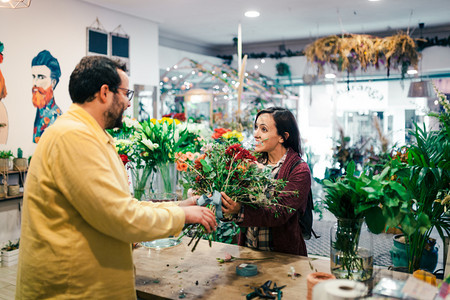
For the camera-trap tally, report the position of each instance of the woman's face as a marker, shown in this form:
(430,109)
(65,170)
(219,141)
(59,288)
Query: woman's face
(266,135)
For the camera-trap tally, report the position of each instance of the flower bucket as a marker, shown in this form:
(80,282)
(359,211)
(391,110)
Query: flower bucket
(351,255)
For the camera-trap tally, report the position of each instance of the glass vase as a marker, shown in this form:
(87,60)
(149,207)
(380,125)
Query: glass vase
(141,177)
(351,255)
(163,242)
(165,178)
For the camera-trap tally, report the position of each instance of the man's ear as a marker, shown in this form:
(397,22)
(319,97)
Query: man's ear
(54,82)
(103,93)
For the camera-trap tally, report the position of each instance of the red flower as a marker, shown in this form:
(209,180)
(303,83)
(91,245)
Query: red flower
(218,132)
(124,159)
(180,116)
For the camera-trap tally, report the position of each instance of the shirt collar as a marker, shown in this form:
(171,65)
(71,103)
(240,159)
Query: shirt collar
(80,113)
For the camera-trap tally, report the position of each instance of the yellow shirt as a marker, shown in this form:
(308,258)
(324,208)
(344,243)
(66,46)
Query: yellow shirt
(79,218)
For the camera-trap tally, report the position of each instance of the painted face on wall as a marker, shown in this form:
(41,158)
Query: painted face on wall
(42,85)
(266,134)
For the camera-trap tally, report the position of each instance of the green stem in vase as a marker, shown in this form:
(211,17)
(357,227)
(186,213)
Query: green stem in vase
(140,181)
(164,169)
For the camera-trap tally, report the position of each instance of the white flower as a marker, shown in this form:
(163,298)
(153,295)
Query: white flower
(176,136)
(131,123)
(151,146)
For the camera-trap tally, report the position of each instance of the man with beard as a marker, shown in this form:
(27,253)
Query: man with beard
(46,72)
(79,218)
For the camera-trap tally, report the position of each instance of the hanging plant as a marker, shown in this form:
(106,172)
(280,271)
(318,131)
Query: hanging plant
(355,51)
(283,69)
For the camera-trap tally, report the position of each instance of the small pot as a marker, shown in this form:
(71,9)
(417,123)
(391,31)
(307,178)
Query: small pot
(399,254)
(13,190)
(20,164)
(5,164)
(3,190)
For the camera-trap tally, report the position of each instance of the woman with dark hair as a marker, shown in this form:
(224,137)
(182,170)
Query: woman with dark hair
(278,140)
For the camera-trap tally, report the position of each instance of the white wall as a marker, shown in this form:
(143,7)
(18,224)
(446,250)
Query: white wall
(60,27)
(169,57)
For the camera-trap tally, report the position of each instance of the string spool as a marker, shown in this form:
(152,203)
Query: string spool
(315,278)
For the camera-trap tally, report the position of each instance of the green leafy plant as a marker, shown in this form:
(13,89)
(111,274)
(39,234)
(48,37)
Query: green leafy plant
(11,246)
(6,154)
(424,170)
(353,199)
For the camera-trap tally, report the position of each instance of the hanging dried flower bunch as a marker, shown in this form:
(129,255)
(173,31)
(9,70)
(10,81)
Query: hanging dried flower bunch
(353,51)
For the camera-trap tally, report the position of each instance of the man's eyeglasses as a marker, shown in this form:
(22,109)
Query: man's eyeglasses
(129,93)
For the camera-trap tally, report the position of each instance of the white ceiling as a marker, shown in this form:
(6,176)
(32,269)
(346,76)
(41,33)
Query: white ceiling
(213,23)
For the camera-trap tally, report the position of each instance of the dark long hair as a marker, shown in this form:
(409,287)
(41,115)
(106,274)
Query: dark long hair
(285,122)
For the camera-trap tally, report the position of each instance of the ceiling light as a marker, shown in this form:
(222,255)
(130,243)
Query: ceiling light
(419,89)
(251,14)
(374,0)
(412,72)
(15,3)
(330,76)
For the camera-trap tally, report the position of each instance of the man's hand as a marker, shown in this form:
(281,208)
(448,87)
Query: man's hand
(200,215)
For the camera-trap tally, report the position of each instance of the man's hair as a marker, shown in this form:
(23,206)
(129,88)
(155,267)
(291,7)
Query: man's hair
(44,58)
(90,74)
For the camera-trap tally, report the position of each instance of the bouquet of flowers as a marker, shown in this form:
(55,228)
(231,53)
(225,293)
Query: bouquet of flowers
(225,166)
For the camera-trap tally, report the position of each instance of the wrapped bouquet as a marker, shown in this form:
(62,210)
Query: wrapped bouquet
(225,166)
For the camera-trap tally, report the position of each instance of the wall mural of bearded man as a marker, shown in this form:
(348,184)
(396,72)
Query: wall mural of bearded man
(46,72)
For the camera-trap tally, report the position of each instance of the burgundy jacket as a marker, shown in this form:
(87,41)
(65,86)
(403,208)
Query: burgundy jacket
(286,233)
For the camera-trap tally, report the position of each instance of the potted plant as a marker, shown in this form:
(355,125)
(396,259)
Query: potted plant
(5,160)
(10,254)
(20,163)
(426,176)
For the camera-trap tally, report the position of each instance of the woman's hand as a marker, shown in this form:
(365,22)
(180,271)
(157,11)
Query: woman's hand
(229,206)
(189,201)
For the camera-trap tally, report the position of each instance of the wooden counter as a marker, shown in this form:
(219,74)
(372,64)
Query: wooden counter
(161,274)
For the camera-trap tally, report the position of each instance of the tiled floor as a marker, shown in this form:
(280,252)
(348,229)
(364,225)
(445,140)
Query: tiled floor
(8,282)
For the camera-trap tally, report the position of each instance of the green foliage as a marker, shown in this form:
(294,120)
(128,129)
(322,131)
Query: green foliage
(353,197)
(425,174)
(11,246)
(6,154)
(19,153)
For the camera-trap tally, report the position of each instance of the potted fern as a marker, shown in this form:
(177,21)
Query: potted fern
(20,163)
